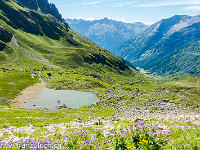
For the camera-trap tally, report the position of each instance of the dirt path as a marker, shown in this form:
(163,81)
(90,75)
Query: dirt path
(29,94)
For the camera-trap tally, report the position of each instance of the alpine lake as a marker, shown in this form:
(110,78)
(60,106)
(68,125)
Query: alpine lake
(51,99)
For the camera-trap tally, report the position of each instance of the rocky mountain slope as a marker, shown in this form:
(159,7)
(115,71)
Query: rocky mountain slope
(166,48)
(106,32)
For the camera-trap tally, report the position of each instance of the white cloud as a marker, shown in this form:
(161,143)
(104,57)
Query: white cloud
(91,3)
(126,20)
(169,3)
(124,4)
(193,8)
(90,19)
(123,19)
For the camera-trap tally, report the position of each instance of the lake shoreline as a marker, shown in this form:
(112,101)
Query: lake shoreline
(29,93)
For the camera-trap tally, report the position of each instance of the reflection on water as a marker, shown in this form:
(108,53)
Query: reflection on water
(51,99)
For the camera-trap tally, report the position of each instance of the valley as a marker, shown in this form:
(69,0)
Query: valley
(39,50)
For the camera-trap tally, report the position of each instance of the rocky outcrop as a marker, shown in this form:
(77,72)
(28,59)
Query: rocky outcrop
(42,6)
(33,22)
(2,46)
(5,37)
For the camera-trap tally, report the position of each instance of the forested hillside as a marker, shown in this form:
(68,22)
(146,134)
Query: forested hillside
(164,40)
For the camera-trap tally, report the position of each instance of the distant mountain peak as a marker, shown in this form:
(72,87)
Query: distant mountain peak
(106,32)
(105,18)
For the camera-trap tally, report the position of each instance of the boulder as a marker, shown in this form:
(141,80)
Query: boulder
(97,122)
(49,74)
(5,36)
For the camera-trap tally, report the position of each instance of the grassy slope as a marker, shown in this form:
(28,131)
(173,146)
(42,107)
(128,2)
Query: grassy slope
(12,83)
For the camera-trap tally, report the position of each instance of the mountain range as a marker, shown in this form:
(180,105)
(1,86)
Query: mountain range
(106,32)
(167,48)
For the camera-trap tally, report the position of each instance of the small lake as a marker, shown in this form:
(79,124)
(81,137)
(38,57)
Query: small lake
(51,99)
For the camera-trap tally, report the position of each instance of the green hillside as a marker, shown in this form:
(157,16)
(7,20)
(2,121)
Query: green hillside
(185,60)
(43,36)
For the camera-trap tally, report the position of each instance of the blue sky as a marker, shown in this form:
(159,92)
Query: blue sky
(146,11)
